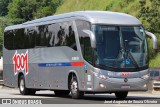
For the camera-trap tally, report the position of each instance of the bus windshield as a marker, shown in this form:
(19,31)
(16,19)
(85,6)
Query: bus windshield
(120,46)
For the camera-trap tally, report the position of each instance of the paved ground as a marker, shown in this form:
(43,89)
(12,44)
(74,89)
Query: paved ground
(88,99)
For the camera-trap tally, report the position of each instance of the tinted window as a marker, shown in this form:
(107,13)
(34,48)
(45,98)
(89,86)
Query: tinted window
(84,40)
(19,39)
(51,34)
(9,40)
(65,35)
(43,36)
(60,34)
(88,50)
(29,37)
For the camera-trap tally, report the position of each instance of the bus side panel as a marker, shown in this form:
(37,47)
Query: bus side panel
(9,76)
(49,67)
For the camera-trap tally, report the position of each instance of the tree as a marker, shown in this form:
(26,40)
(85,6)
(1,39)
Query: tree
(22,9)
(48,7)
(4,21)
(150,15)
(3,7)
(32,9)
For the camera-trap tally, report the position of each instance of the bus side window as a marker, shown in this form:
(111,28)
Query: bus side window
(65,35)
(70,40)
(18,39)
(84,40)
(51,35)
(88,50)
(29,35)
(9,40)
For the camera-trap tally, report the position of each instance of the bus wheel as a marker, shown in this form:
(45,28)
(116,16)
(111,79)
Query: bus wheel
(75,93)
(22,88)
(121,95)
(61,92)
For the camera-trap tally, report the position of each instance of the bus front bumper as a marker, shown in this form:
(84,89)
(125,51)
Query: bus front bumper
(120,84)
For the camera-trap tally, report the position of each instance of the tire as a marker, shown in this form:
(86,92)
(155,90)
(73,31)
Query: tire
(22,87)
(32,92)
(75,92)
(61,92)
(121,95)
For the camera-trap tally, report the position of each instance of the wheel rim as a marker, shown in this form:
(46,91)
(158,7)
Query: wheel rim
(74,87)
(21,85)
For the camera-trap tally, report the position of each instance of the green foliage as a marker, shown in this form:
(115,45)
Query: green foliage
(4,21)
(48,7)
(77,5)
(26,10)
(3,7)
(149,14)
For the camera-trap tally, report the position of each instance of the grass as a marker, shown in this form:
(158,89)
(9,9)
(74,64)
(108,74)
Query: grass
(79,5)
(155,62)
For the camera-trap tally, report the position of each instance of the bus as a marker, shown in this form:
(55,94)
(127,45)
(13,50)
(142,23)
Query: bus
(78,53)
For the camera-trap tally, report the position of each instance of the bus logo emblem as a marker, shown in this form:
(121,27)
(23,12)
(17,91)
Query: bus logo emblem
(125,74)
(20,62)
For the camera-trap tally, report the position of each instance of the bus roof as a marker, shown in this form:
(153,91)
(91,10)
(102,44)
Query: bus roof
(95,17)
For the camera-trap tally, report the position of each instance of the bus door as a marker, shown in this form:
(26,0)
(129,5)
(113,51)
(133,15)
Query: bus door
(88,56)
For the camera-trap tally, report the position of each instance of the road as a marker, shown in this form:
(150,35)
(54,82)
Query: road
(88,99)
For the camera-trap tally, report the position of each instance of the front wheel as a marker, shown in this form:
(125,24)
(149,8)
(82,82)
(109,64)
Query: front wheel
(121,95)
(75,92)
(22,87)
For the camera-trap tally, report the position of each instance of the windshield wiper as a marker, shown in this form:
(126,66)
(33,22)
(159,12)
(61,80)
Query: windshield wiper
(115,61)
(132,59)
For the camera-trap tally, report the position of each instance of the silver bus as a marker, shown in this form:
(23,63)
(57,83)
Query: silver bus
(78,52)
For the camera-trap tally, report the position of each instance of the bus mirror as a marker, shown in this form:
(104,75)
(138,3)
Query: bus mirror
(92,37)
(154,39)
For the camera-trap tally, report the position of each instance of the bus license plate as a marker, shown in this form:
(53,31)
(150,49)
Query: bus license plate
(125,87)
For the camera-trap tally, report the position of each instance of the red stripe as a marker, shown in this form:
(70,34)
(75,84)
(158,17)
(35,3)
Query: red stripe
(77,63)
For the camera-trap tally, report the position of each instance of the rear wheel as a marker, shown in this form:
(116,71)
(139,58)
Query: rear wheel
(22,87)
(61,92)
(121,95)
(75,92)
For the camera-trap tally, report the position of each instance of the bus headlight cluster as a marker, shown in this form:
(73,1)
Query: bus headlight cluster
(145,76)
(101,76)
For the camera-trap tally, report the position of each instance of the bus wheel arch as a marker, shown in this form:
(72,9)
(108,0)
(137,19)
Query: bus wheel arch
(19,75)
(73,86)
(22,86)
(71,74)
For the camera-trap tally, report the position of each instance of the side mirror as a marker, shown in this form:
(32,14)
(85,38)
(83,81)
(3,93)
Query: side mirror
(154,39)
(92,37)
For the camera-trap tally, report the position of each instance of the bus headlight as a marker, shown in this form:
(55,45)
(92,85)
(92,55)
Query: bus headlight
(101,76)
(145,76)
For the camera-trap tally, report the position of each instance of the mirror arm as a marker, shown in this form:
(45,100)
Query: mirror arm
(92,37)
(154,39)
